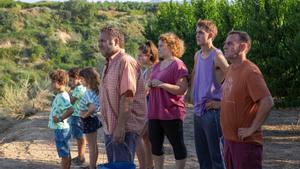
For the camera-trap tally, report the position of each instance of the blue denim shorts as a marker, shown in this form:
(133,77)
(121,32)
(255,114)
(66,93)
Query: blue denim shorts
(62,137)
(91,124)
(76,127)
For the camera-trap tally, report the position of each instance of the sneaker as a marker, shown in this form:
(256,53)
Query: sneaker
(77,161)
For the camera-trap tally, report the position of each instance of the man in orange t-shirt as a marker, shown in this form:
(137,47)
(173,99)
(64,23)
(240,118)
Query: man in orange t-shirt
(245,104)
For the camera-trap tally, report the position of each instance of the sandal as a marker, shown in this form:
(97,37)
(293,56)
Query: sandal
(77,161)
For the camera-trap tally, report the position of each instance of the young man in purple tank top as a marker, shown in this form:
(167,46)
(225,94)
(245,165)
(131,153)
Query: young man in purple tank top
(208,74)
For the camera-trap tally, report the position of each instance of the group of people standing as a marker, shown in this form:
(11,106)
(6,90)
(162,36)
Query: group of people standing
(139,107)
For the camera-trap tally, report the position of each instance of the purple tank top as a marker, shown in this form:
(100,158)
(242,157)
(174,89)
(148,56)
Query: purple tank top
(205,86)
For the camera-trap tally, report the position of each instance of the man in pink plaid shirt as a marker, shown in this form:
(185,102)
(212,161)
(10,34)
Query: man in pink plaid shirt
(122,96)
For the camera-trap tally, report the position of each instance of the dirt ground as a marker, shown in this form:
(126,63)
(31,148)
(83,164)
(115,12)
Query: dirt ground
(28,144)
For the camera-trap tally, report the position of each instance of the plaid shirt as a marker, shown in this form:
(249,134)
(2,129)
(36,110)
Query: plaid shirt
(122,73)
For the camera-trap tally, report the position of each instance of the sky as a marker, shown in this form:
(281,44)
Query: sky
(31,1)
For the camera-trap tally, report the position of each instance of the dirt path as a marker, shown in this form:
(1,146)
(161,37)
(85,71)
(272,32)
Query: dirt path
(29,144)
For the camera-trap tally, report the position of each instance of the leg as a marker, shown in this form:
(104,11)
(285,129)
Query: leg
(93,149)
(201,144)
(174,133)
(228,155)
(148,153)
(246,155)
(62,137)
(140,152)
(81,143)
(213,135)
(156,135)
(144,150)
(66,162)
(158,161)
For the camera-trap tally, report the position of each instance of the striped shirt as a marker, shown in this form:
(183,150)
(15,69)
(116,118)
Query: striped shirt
(77,93)
(90,97)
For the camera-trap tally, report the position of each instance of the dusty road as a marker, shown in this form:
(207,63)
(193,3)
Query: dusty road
(28,144)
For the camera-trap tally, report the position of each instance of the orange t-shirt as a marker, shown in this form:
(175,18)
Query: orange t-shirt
(243,87)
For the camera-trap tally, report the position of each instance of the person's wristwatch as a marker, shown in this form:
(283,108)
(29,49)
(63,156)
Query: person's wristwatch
(60,119)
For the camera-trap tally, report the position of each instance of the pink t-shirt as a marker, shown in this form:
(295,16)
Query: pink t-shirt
(162,104)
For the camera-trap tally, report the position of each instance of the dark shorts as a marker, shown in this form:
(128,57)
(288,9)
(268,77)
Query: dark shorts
(91,124)
(239,155)
(76,126)
(62,137)
(173,129)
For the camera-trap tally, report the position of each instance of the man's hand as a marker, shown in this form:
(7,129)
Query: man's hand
(55,119)
(119,135)
(211,104)
(245,132)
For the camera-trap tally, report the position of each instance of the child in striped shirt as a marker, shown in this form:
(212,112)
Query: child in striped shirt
(89,106)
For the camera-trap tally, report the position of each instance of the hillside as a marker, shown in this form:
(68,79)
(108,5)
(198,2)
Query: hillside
(37,38)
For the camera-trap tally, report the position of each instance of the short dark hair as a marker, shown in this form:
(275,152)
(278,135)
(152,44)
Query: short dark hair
(74,72)
(59,76)
(114,32)
(243,36)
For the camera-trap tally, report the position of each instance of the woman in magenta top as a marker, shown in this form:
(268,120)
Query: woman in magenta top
(168,84)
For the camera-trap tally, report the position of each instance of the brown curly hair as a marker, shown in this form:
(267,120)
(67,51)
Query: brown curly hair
(150,50)
(59,76)
(174,43)
(74,72)
(209,26)
(92,77)
(114,32)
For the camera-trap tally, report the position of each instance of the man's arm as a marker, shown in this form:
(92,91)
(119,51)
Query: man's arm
(264,107)
(126,102)
(221,62)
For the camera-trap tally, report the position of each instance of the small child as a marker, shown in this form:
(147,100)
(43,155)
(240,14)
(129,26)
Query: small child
(89,106)
(61,109)
(75,121)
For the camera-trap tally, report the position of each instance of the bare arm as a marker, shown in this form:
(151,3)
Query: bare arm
(221,62)
(178,89)
(194,67)
(264,107)
(91,109)
(67,114)
(221,65)
(126,102)
(73,100)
